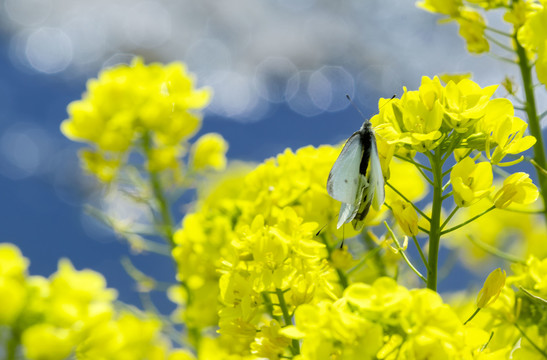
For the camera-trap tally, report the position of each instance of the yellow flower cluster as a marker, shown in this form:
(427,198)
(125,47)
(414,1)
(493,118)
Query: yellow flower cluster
(472,23)
(532,34)
(148,108)
(528,17)
(72,315)
(461,118)
(530,279)
(385,321)
(258,228)
(517,317)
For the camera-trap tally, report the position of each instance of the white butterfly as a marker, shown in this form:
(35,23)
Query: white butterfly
(356,178)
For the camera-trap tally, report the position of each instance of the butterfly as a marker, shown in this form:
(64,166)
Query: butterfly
(356,178)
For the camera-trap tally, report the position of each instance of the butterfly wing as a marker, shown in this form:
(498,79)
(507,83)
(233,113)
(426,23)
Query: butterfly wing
(349,211)
(344,178)
(376,177)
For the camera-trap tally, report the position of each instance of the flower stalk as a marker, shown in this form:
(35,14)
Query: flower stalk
(295,346)
(533,119)
(435,223)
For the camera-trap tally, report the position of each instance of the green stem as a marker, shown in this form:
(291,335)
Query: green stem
(472,316)
(165,222)
(376,256)
(295,348)
(533,119)
(499,32)
(424,260)
(468,221)
(495,251)
(531,342)
(456,208)
(424,230)
(417,164)
(502,59)
(425,176)
(269,307)
(435,227)
(11,346)
(408,201)
(402,252)
(499,43)
(363,261)
(542,301)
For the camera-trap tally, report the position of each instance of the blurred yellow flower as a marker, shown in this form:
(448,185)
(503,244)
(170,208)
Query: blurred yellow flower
(472,27)
(456,78)
(78,296)
(180,354)
(532,37)
(491,289)
(13,290)
(269,343)
(47,342)
(12,299)
(209,151)
(520,11)
(341,258)
(153,106)
(445,7)
(162,158)
(12,262)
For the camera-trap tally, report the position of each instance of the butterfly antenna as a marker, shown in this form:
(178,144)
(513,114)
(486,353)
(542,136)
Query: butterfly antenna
(387,102)
(359,110)
(319,232)
(355,106)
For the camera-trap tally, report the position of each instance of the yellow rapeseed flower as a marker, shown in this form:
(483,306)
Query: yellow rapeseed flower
(269,343)
(445,7)
(12,262)
(414,120)
(508,138)
(456,78)
(13,295)
(465,103)
(209,151)
(472,26)
(532,36)
(47,342)
(471,181)
(491,289)
(135,106)
(520,11)
(517,188)
(406,216)
(73,293)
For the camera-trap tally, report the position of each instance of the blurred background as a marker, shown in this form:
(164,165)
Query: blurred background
(280,70)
